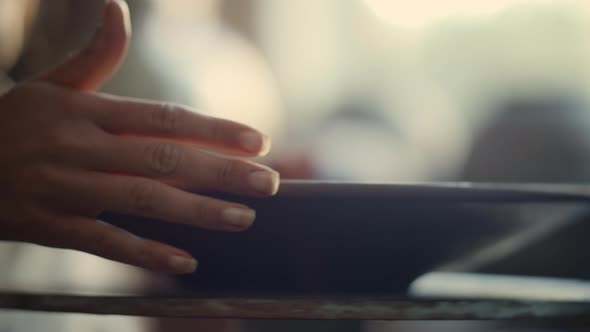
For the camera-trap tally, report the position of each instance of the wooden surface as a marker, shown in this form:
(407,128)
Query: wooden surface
(269,308)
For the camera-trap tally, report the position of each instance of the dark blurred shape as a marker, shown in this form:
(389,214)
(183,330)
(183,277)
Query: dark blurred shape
(533,140)
(343,242)
(136,76)
(65,26)
(562,254)
(240,15)
(539,140)
(62,26)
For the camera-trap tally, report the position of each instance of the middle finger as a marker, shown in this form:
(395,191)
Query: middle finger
(184,166)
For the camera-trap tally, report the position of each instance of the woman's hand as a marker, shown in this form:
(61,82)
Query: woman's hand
(68,154)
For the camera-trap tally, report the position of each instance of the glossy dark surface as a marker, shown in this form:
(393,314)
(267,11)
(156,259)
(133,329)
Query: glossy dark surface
(328,239)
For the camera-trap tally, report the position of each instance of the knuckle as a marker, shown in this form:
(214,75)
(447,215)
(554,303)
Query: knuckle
(165,117)
(140,250)
(215,129)
(65,140)
(163,158)
(142,253)
(226,172)
(59,137)
(47,179)
(69,103)
(66,235)
(143,195)
(202,214)
(101,243)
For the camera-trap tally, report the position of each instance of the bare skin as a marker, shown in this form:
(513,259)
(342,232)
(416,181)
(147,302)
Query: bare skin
(69,153)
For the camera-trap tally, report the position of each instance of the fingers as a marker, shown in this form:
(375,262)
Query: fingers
(87,70)
(175,122)
(116,244)
(153,199)
(184,166)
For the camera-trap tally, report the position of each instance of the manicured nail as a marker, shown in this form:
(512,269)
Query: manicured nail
(182,264)
(265,146)
(255,142)
(125,11)
(239,217)
(265,182)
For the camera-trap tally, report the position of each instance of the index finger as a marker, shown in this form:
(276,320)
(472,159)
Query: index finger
(124,116)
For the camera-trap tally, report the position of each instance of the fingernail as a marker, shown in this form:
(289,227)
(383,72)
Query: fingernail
(265,146)
(265,182)
(182,264)
(239,217)
(125,11)
(255,142)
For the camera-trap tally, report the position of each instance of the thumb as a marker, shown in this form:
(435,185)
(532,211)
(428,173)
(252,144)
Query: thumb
(93,65)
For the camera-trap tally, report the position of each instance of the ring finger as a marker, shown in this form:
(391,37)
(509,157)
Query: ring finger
(152,199)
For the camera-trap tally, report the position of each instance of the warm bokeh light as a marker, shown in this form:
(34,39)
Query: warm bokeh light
(15,19)
(222,73)
(416,15)
(234,82)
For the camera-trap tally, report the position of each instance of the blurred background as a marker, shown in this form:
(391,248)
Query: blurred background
(363,90)
(360,89)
